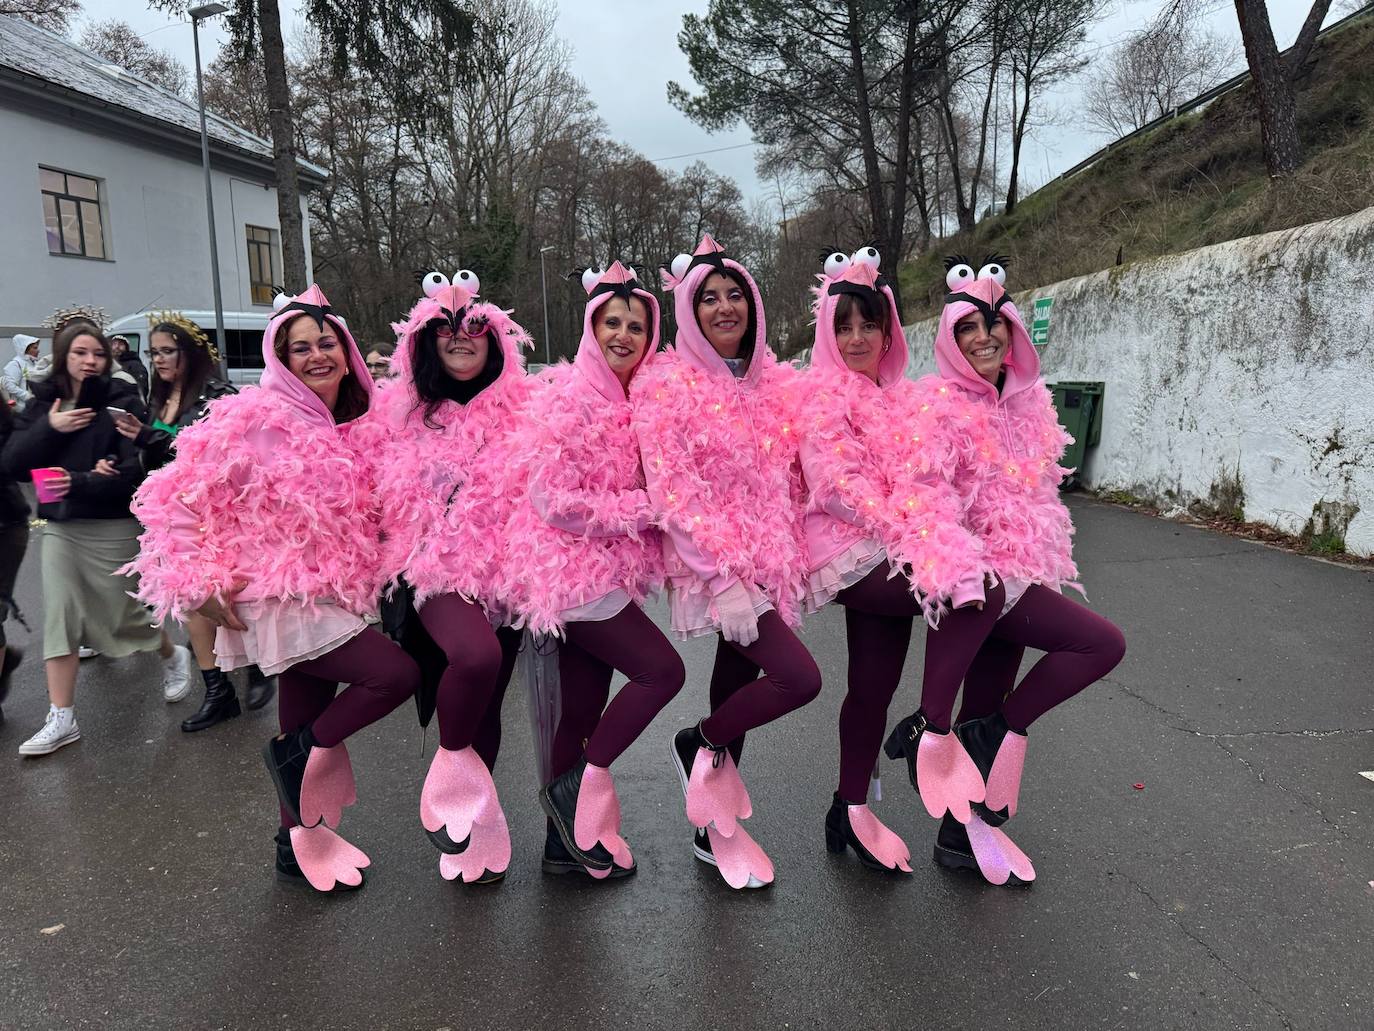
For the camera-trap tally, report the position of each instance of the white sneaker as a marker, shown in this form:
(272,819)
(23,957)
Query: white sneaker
(86,653)
(59,729)
(176,674)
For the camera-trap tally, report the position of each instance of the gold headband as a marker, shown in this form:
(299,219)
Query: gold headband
(64,317)
(197,335)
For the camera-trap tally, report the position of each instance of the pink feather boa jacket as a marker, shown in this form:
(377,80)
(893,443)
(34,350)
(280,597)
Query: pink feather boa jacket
(582,527)
(720,459)
(265,490)
(880,458)
(444,487)
(1010,444)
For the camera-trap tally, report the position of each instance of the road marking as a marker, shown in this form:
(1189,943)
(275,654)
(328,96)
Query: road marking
(1367,774)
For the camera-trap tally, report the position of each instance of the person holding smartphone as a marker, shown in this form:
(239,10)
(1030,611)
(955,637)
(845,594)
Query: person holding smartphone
(184,384)
(89,473)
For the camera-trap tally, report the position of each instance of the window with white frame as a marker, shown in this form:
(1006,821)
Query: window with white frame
(71,214)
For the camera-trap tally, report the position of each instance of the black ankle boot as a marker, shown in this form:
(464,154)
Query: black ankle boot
(685,744)
(839,834)
(285,757)
(220,702)
(261,689)
(559,800)
(904,739)
(289,871)
(982,738)
(953,852)
(558,860)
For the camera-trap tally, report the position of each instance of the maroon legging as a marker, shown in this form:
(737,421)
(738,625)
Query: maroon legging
(587,659)
(878,615)
(742,700)
(380,676)
(469,685)
(487,741)
(1082,648)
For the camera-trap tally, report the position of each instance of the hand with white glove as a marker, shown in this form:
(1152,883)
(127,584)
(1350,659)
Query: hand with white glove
(738,623)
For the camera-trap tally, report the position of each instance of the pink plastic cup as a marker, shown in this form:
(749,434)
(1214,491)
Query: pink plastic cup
(41,477)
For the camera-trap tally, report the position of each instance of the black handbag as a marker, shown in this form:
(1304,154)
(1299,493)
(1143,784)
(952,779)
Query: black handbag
(401,622)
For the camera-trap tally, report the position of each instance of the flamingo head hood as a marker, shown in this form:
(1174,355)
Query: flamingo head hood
(684,278)
(277,378)
(616,281)
(857,275)
(455,303)
(985,292)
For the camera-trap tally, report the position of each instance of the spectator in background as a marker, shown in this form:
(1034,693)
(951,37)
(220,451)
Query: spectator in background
(22,369)
(130,363)
(379,362)
(90,533)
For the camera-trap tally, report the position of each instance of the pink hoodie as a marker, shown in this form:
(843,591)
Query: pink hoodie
(1011,444)
(581,529)
(444,486)
(878,460)
(720,461)
(266,489)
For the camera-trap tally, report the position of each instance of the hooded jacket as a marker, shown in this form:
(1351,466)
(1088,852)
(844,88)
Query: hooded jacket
(267,490)
(444,483)
(582,526)
(1010,442)
(22,370)
(720,460)
(878,460)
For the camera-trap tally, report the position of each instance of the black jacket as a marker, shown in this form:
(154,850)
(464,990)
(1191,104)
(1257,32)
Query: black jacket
(13,508)
(159,446)
(133,365)
(34,444)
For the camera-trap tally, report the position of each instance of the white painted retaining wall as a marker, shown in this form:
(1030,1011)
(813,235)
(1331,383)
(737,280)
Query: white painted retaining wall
(1250,360)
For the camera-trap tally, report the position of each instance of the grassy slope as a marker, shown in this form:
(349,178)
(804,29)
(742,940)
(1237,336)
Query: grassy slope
(1195,181)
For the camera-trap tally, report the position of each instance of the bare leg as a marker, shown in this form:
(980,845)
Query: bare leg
(62,680)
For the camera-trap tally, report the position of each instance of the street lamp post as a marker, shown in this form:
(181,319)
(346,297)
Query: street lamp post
(544,289)
(198,14)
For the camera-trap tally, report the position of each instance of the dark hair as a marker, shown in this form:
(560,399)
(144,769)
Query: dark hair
(751,328)
(194,371)
(385,350)
(873,308)
(433,384)
(62,344)
(353,396)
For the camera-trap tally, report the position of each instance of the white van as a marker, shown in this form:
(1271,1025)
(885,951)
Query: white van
(243,332)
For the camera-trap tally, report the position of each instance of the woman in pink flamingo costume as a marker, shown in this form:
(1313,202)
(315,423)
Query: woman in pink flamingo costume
(440,439)
(585,556)
(716,421)
(886,540)
(266,524)
(1009,442)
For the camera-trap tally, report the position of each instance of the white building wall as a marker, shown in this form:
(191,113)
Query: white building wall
(1248,364)
(155,224)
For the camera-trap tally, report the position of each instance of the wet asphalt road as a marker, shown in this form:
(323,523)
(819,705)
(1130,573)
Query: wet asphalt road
(1235,890)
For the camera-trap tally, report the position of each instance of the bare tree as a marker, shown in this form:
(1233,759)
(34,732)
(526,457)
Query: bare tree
(118,43)
(53,15)
(1044,44)
(1163,65)
(237,90)
(1273,77)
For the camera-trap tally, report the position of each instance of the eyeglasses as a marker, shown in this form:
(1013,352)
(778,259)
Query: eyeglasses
(378,366)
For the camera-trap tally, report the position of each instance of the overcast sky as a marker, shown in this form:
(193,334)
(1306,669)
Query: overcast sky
(626,52)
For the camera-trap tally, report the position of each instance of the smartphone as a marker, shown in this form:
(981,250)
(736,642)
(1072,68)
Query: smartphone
(115,411)
(94,392)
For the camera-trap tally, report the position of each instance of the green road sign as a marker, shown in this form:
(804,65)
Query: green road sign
(1040,321)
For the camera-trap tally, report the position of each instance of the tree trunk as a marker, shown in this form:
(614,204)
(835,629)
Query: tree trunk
(1018,134)
(283,147)
(877,203)
(1273,89)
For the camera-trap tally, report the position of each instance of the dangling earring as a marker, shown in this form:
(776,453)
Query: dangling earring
(887,346)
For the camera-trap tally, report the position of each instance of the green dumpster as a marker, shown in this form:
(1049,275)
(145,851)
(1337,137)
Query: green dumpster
(1079,405)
